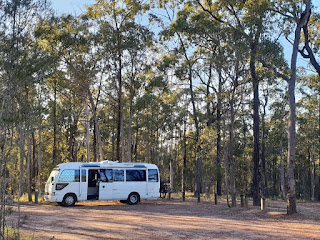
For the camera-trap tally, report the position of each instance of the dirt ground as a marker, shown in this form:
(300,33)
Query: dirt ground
(164,219)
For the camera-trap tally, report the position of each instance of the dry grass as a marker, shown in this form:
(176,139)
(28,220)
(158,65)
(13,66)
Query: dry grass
(173,219)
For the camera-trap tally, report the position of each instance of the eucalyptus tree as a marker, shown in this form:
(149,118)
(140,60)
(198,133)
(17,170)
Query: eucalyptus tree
(68,39)
(295,14)
(271,54)
(119,42)
(209,39)
(307,135)
(248,18)
(138,43)
(277,141)
(22,66)
(184,70)
(310,50)
(225,51)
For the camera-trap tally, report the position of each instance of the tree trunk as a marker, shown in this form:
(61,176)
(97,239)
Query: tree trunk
(3,185)
(319,137)
(184,163)
(282,177)
(136,143)
(120,129)
(291,195)
(29,168)
(196,123)
(312,175)
(87,131)
(231,153)
(97,129)
(291,198)
(95,157)
(119,120)
(219,174)
(226,163)
(255,82)
(263,153)
(39,161)
(122,139)
(129,148)
(54,150)
(21,158)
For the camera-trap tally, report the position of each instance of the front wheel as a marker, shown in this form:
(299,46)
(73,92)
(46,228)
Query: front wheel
(133,198)
(69,200)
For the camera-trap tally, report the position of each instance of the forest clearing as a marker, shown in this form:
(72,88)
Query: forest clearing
(207,97)
(164,219)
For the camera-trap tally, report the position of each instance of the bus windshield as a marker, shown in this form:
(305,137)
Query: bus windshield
(53,175)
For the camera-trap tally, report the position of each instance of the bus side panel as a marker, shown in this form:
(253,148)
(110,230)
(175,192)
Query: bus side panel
(153,190)
(72,187)
(83,191)
(120,190)
(139,187)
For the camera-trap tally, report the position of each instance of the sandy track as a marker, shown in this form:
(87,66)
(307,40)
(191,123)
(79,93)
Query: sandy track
(169,220)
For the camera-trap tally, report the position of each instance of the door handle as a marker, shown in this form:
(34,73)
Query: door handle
(103,186)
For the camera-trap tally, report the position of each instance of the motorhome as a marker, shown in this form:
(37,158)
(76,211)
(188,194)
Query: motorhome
(69,183)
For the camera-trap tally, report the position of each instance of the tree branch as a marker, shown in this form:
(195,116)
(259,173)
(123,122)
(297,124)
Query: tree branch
(209,12)
(274,70)
(307,47)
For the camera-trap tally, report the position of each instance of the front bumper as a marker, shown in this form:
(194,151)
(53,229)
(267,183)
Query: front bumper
(52,198)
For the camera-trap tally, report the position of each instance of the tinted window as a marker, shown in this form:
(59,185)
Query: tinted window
(118,175)
(135,175)
(106,175)
(152,175)
(69,176)
(83,175)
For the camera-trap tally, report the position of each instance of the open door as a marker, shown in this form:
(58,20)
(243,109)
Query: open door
(93,184)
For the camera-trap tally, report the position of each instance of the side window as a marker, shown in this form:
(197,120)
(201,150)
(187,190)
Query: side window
(106,175)
(153,175)
(83,175)
(135,175)
(118,175)
(69,176)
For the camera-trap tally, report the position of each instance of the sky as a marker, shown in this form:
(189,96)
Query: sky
(75,7)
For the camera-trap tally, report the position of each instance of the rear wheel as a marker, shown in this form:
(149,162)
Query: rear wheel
(133,198)
(69,200)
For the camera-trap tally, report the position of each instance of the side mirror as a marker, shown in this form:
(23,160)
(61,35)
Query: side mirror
(52,179)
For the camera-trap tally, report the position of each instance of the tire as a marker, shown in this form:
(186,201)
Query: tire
(69,200)
(133,198)
(124,201)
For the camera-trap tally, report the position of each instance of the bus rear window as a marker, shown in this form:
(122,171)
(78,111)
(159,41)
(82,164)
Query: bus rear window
(152,175)
(135,175)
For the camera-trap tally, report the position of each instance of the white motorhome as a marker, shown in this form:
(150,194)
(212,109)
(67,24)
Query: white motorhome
(107,180)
